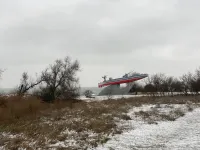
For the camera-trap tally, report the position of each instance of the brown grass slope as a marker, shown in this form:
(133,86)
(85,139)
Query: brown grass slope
(46,123)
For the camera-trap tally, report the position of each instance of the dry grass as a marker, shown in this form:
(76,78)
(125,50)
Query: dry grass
(15,108)
(39,121)
(153,116)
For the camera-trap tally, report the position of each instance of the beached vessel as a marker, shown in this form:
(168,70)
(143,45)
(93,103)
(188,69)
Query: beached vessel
(112,86)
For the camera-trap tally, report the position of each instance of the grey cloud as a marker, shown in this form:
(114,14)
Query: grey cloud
(81,32)
(127,34)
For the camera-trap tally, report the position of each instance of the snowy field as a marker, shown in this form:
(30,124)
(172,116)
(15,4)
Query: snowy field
(182,134)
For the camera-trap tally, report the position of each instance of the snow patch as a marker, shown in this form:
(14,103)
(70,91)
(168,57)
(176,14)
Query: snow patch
(101,98)
(181,134)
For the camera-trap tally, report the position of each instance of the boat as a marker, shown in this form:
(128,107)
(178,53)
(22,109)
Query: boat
(112,86)
(127,78)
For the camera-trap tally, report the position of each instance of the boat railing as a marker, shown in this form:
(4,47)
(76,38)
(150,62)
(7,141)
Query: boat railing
(137,74)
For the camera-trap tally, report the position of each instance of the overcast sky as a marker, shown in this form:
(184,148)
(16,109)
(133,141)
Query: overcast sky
(107,36)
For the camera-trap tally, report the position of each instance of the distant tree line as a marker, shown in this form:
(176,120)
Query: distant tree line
(160,85)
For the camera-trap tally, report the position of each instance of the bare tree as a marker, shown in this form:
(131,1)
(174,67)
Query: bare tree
(176,86)
(172,85)
(158,81)
(150,89)
(136,87)
(197,72)
(1,72)
(186,81)
(168,85)
(195,82)
(60,80)
(148,80)
(88,93)
(27,83)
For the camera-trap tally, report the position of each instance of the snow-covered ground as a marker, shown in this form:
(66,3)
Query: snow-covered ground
(100,98)
(182,134)
(139,132)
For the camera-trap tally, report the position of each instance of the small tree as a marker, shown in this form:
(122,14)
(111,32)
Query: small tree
(186,81)
(60,81)
(1,71)
(136,87)
(156,84)
(167,85)
(197,72)
(159,82)
(195,82)
(150,88)
(176,86)
(88,93)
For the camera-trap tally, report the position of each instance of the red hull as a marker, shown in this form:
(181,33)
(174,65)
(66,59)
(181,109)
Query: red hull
(119,82)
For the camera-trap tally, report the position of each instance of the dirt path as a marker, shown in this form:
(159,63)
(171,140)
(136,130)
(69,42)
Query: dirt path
(182,134)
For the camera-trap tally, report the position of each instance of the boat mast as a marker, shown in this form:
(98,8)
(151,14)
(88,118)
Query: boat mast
(104,77)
